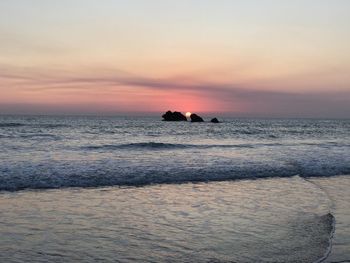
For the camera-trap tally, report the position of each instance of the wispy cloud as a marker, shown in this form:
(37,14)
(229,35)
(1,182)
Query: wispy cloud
(282,102)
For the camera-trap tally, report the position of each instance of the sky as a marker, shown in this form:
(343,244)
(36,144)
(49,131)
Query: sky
(271,58)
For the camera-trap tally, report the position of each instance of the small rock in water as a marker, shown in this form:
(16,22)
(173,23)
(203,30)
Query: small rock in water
(195,118)
(214,120)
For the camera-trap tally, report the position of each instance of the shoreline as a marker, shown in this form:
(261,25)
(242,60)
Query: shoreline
(161,198)
(184,182)
(337,189)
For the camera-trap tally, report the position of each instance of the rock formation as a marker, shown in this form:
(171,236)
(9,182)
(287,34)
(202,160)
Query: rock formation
(174,116)
(214,120)
(195,118)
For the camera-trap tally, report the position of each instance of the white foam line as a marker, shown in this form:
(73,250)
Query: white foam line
(331,201)
(331,207)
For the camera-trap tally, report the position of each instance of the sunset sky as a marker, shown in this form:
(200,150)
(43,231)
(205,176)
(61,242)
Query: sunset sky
(277,58)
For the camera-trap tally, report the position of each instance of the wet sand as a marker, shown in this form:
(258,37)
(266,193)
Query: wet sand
(277,219)
(338,190)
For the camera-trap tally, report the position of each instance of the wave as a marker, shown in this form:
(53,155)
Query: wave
(125,173)
(147,145)
(30,136)
(40,135)
(172,146)
(50,125)
(11,124)
(35,125)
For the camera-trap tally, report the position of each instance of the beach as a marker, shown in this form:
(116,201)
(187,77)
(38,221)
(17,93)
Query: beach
(268,220)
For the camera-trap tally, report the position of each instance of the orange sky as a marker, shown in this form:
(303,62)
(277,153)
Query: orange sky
(254,58)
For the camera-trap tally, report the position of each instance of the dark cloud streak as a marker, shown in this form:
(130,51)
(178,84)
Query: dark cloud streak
(265,102)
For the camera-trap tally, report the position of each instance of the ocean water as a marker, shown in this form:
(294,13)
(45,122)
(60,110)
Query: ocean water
(56,152)
(127,189)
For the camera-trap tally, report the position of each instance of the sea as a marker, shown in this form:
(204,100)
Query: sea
(138,189)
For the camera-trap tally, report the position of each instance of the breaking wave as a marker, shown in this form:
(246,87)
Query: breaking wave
(109,173)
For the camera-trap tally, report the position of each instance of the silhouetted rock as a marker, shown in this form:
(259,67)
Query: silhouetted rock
(174,116)
(195,118)
(214,120)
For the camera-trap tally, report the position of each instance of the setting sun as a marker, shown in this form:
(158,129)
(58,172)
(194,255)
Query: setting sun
(188,114)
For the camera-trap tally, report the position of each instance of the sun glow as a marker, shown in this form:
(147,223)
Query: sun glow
(188,114)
